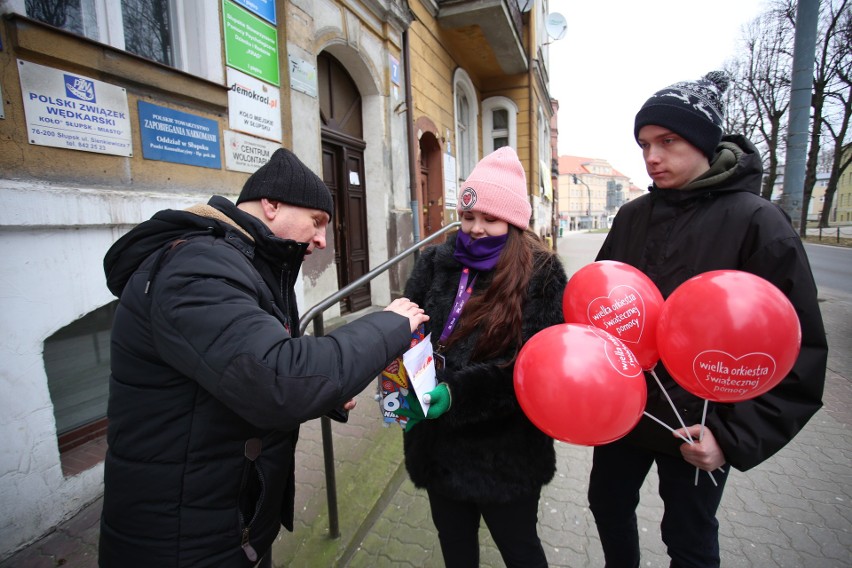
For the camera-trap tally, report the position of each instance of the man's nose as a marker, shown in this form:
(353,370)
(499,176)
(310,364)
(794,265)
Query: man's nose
(319,240)
(652,155)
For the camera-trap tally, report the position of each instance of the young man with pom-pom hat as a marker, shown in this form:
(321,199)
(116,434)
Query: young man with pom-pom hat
(703,212)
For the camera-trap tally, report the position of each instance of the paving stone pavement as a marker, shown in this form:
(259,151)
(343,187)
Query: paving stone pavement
(793,511)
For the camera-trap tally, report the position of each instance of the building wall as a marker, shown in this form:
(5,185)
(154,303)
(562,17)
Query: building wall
(61,209)
(435,58)
(432,68)
(843,193)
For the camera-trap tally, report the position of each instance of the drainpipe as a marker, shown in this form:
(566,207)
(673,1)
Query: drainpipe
(533,145)
(412,141)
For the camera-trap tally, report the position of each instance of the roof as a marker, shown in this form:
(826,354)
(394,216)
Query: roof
(577,165)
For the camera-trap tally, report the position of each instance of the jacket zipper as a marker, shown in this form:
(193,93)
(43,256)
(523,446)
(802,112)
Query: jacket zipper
(252,452)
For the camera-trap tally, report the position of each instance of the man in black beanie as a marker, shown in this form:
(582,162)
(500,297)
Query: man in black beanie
(703,212)
(210,379)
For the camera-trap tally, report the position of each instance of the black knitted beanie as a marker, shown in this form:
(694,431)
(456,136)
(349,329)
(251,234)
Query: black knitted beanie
(692,109)
(286,179)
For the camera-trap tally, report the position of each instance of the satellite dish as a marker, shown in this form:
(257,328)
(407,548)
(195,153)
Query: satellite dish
(556,25)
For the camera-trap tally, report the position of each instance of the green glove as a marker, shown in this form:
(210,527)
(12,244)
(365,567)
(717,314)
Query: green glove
(439,400)
(414,413)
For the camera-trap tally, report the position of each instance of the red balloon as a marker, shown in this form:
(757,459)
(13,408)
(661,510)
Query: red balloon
(619,299)
(579,384)
(728,335)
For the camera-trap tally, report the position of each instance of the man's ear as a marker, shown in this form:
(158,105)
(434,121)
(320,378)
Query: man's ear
(270,208)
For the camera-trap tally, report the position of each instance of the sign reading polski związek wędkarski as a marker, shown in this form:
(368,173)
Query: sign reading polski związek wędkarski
(66,110)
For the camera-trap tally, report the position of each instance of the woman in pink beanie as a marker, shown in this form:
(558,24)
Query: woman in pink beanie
(487,291)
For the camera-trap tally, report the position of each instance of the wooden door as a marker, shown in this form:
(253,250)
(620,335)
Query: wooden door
(431,184)
(343,173)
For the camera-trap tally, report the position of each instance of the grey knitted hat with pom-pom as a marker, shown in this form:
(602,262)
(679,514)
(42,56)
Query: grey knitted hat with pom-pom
(691,109)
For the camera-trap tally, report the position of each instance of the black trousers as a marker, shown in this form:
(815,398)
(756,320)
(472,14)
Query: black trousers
(512,526)
(689,527)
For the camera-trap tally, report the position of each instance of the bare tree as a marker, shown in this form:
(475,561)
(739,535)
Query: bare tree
(761,96)
(830,53)
(838,95)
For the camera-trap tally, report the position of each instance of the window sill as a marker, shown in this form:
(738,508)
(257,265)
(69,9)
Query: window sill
(45,44)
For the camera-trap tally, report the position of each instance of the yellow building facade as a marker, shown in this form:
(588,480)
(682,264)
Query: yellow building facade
(479,81)
(112,111)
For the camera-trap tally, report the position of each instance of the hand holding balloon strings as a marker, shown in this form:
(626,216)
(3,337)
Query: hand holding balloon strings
(688,439)
(728,336)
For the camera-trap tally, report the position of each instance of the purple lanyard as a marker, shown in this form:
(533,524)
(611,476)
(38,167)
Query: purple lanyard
(462,296)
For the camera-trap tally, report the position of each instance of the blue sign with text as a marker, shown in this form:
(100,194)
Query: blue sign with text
(263,8)
(170,135)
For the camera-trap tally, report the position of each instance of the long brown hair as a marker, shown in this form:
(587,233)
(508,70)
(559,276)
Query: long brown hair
(498,311)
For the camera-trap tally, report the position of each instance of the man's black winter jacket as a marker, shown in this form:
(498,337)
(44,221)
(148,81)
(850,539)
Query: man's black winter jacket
(209,385)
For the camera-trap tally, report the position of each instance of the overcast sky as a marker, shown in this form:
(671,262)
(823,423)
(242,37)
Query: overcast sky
(617,53)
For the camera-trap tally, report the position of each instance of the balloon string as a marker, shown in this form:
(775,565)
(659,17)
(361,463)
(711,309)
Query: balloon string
(669,428)
(700,436)
(679,419)
(674,408)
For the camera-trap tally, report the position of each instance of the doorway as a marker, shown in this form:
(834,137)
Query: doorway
(431,185)
(343,172)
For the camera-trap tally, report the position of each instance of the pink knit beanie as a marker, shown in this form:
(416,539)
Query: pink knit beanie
(497,186)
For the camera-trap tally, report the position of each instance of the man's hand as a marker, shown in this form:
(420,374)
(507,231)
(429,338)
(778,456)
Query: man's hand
(706,454)
(408,309)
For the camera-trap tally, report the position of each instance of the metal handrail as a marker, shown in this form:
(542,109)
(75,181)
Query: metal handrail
(315,314)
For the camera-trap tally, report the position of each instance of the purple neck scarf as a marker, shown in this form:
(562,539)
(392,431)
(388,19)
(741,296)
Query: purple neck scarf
(479,254)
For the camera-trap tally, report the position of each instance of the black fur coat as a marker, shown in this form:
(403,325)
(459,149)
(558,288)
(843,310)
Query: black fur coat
(484,448)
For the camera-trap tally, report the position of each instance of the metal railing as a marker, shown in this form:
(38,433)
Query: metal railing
(315,314)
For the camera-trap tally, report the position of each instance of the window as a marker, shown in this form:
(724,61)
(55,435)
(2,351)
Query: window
(148,29)
(76,16)
(499,124)
(467,119)
(463,127)
(77,362)
(159,30)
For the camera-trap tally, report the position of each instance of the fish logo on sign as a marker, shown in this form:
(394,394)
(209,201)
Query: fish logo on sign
(79,88)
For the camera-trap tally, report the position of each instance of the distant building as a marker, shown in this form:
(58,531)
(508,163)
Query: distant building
(843,195)
(590,191)
(817,201)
